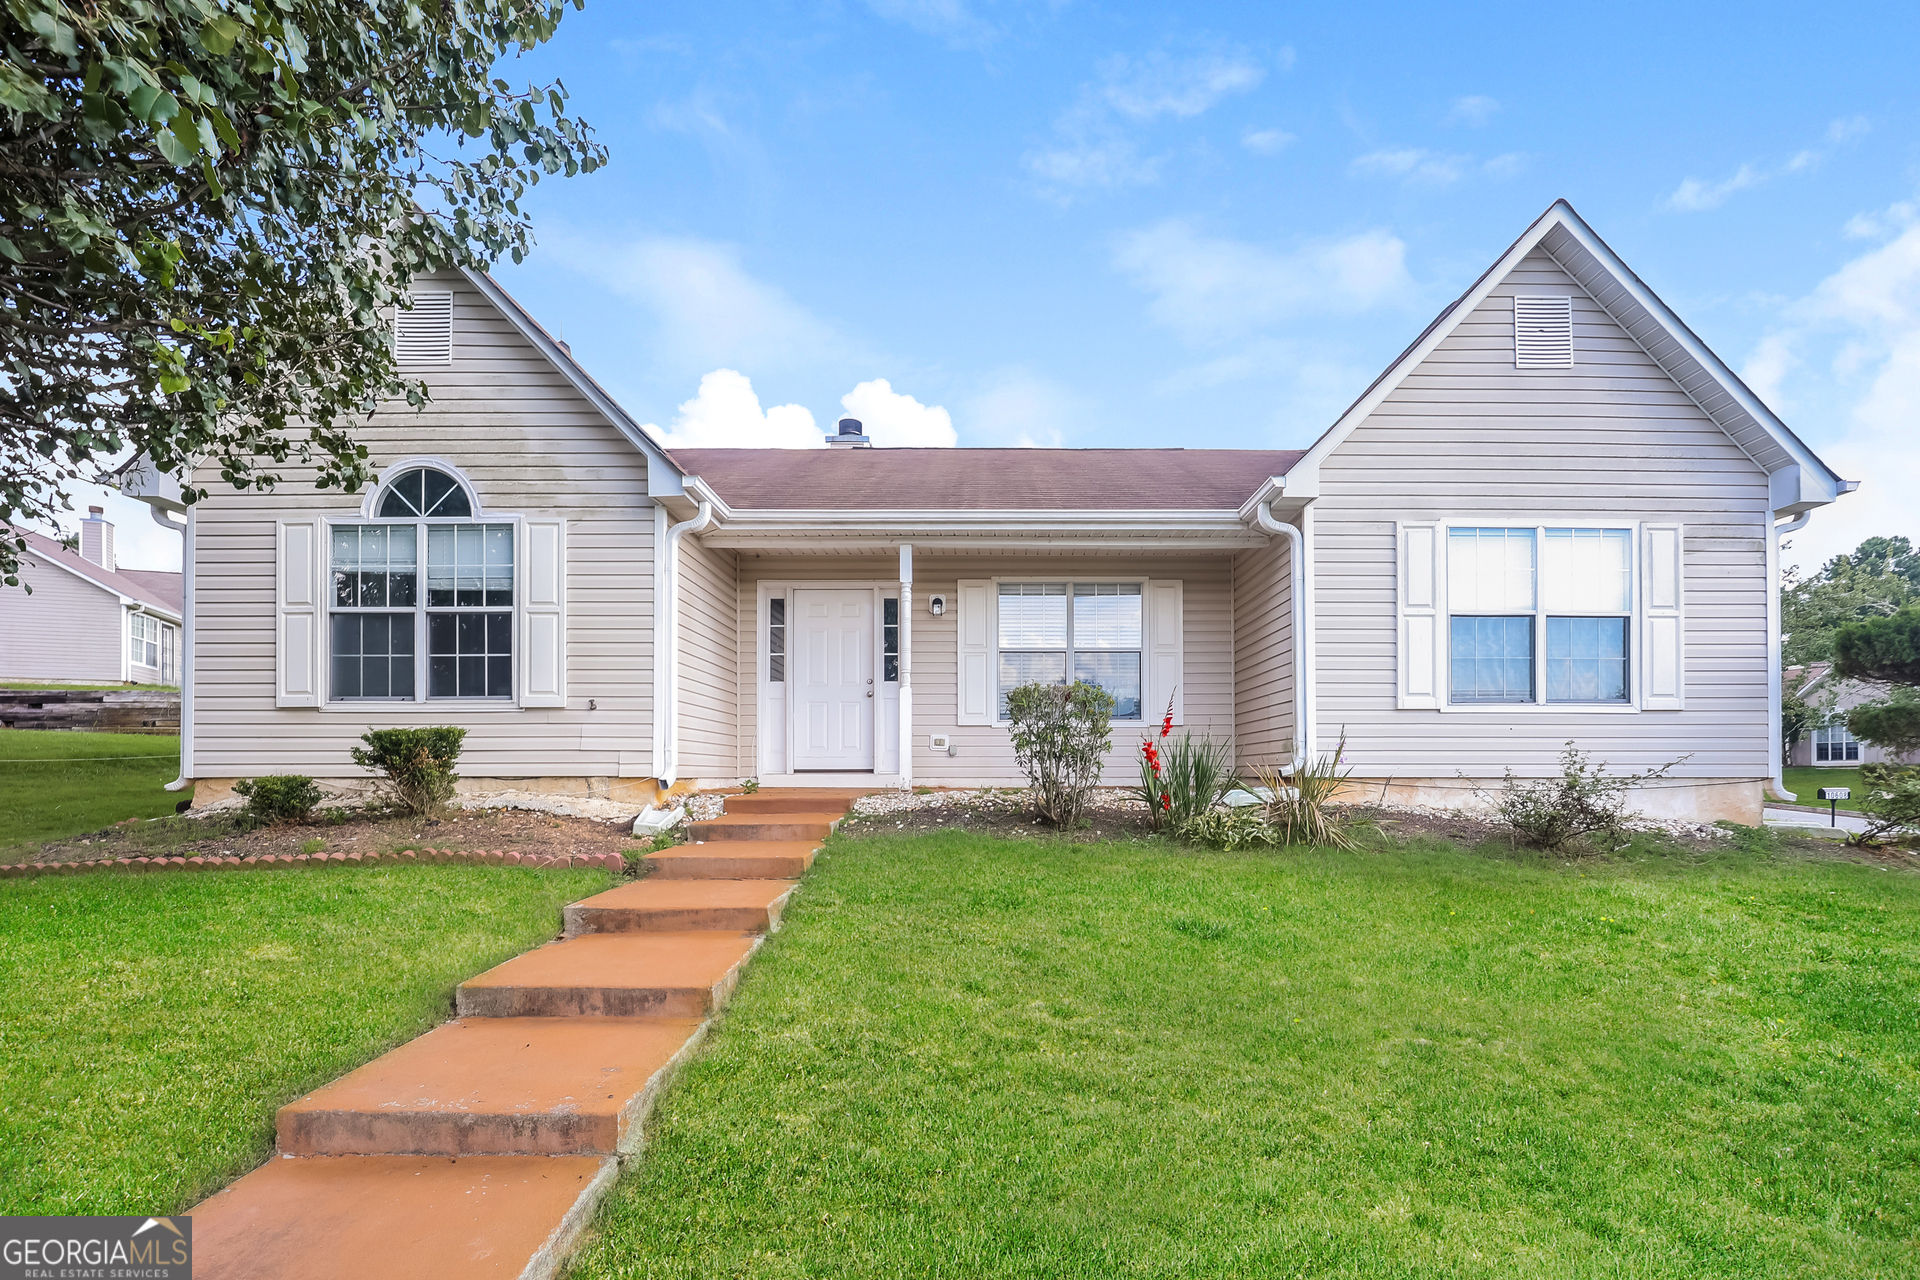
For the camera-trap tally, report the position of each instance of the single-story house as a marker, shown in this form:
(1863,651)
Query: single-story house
(87,620)
(1554,517)
(1829,743)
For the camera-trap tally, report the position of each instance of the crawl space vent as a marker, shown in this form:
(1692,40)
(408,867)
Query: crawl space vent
(424,333)
(1543,333)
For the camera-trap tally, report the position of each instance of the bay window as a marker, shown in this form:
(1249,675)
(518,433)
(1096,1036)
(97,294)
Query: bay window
(1056,632)
(1539,614)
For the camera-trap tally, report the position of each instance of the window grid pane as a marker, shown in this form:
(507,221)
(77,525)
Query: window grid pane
(1118,674)
(375,566)
(1587,571)
(1490,570)
(1106,615)
(890,641)
(372,655)
(1586,659)
(469,566)
(470,655)
(1033,615)
(1492,659)
(1017,669)
(777,640)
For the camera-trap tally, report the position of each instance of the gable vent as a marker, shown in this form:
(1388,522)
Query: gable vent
(423,334)
(1543,333)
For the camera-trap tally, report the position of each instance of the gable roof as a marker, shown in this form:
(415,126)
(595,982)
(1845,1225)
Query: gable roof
(663,476)
(984,479)
(153,588)
(1800,480)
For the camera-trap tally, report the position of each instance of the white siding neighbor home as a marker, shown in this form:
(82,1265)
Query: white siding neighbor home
(86,620)
(1554,518)
(1829,744)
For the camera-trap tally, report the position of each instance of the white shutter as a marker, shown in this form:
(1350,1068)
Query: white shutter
(297,641)
(1166,651)
(543,629)
(1663,646)
(974,601)
(1422,561)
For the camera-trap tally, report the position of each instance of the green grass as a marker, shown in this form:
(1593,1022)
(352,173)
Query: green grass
(153,1023)
(54,783)
(1806,781)
(964,1056)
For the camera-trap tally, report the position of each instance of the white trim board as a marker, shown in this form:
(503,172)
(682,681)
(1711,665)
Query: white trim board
(1702,375)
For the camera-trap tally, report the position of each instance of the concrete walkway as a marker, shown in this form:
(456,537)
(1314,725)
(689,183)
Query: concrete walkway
(481,1148)
(1819,824)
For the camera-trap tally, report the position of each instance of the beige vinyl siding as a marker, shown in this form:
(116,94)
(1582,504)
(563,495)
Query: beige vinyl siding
(709,657)
(1263,696)
(985,753)
(532,446)
(68,629)
(1468,435)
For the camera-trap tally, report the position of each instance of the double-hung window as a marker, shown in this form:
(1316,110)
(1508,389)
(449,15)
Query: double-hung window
(144,640)
(1834,744)
(1054,632)
(383,618)
(1540,614)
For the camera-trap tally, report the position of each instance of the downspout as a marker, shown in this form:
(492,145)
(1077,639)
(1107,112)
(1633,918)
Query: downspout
(670,658)
(1776,749)
(1297,559)
(906,666)
(185,531)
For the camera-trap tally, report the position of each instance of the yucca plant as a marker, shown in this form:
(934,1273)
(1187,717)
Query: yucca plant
(1301,810)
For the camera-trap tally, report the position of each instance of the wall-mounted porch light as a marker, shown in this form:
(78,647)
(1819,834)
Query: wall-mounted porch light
(936,605)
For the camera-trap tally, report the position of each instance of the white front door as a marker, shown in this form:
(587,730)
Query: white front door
(833,691)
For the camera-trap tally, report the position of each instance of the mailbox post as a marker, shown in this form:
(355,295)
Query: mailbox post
(1833,796)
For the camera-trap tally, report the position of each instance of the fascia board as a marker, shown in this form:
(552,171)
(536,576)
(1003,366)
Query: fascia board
(1690,343)
(663,477)
(966,520)
(1271,489)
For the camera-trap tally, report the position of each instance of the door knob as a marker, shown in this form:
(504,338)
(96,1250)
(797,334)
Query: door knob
(869,693)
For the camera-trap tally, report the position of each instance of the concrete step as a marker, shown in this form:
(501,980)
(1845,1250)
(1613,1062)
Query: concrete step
(753,826)
(661,903)
(612,975)
(734,860)
(399,1217)
(769,802)
(497,1086)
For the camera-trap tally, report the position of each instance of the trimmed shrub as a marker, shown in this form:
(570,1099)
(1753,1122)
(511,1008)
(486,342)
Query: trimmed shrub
(1061,733)
(1890,803)
(414,766)
(279,798)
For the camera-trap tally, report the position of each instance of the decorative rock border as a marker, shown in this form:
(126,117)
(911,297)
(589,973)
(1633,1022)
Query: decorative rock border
(275,861)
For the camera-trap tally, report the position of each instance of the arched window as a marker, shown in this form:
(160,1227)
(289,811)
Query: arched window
(423,578)
(425,491)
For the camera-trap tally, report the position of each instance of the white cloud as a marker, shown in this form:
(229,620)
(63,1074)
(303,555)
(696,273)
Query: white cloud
(1474,109)
(1096,144)
(1411,164)
(1159,85)
(726,414)
(1209,287)
(950,19)
(707,309)
(1019,409)
(899,421)
(1504,166)
(1266,142)
(138,543)
(1697,195)
(1849,353)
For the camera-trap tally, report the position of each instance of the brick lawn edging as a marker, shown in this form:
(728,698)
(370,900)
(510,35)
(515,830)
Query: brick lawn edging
(274,861)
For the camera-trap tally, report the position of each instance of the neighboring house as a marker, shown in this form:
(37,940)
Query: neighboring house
(1828,742)
(1552,519)
(88,621)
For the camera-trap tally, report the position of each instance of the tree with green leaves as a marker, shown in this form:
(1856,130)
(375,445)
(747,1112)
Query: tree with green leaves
(1879,578)
(1884,651)
(209,207)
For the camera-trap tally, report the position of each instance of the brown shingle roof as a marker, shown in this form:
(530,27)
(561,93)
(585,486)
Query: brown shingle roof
(149,586)
(985,479)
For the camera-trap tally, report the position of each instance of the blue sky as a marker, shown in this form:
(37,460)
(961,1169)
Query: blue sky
(1084,224)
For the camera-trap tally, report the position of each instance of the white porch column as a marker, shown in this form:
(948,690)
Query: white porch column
(906,665)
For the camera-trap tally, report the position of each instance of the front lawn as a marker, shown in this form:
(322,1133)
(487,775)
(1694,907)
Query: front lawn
(57,783)
(153,1023)
(969,1056)
(1805,782)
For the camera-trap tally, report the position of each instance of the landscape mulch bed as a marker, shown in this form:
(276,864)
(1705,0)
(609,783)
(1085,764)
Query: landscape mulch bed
(520,830)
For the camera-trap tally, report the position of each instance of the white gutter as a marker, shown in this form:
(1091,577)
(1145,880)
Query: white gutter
(668,657)
(906,666)
(1297,559)
(1776,749)
(185,531)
